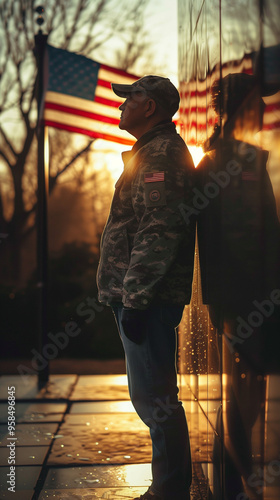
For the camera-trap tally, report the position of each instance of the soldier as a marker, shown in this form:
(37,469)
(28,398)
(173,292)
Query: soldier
(145,272)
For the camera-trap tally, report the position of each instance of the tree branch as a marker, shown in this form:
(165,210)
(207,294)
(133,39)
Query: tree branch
(5,158)
(8,143)
(54,178)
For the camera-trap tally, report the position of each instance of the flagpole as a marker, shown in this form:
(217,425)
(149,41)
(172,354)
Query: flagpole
(42,209)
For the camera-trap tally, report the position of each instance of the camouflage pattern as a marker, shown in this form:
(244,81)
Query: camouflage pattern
(147,249)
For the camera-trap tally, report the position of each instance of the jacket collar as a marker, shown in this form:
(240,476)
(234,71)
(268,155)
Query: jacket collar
(164,126)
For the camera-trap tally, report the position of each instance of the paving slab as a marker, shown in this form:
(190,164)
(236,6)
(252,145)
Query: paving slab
(101,476)
(105,380)
(26,479)
(17,495)
(103,407)
(26,387)
(100,388)
(58,387)
(102,438)
(34,412)
(25,455)
(115,420)
(93,494)
(113,483)
(29,434)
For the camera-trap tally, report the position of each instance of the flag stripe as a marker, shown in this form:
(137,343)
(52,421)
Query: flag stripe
(86,124)
(119,72)
(107,93)
(103,83)
(110,75)
(80,112)
(90,133)
(83,104)
(273,107)
(107,102)
(271,126)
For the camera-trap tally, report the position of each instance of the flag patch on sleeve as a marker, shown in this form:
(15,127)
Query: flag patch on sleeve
(154,177)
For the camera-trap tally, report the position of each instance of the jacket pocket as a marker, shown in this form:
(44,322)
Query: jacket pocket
(114,260)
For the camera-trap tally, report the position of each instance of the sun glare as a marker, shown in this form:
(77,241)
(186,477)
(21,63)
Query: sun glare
(197,154)
(111,156)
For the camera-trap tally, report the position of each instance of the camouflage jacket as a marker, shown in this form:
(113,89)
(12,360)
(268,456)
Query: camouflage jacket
(147,248)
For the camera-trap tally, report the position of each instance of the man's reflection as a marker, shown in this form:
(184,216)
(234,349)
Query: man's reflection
(239,250)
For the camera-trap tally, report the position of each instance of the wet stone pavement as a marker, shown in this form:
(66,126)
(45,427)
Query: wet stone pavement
(78,438)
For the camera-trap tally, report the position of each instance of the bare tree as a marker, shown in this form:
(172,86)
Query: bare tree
(82,26)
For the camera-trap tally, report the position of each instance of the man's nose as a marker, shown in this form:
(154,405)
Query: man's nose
(122,106)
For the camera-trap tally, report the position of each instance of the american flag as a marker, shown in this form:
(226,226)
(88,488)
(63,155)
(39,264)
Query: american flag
(79,97)
(196,115)
(154,177)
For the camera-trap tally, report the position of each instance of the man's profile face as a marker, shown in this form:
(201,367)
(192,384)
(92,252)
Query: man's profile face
(133,114)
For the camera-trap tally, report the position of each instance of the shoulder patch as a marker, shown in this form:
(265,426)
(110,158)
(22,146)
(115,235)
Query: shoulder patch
(153,177)
(155,194)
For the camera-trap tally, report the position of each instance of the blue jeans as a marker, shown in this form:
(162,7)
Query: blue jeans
(152,383)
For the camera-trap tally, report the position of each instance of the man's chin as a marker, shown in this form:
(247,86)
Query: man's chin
(122,125)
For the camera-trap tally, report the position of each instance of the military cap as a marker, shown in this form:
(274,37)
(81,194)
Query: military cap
(158,88)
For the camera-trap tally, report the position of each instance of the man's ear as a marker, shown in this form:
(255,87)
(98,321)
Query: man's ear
(150,107)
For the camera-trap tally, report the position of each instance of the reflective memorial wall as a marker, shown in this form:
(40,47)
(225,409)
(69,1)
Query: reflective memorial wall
(229,339)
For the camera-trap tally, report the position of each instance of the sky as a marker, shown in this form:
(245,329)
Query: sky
(162,23)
